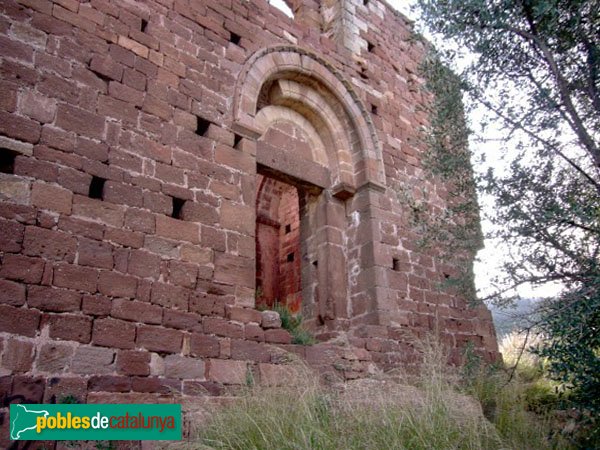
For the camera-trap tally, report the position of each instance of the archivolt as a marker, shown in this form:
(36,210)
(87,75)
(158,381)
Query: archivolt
(295,78)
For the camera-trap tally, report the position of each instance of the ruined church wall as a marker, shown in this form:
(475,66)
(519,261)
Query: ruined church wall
(127,224)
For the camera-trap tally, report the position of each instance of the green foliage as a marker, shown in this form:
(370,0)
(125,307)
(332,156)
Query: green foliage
(68,399)
(523,412)
(293,323)
(452,233)
(536,68)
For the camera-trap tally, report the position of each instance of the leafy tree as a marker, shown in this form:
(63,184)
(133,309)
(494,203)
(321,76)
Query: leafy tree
(535,66)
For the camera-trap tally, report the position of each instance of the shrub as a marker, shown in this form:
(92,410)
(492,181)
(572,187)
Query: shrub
(293,323)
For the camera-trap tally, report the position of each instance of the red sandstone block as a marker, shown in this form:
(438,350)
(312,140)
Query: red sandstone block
(43,153)
(158,203)
(227,372)
(238,218)
(8,96)
(204,346)
(254,332)
(94,150)
(19,127)
(158,108)
(181,320)
(94,254)
(53,299)
(214,239)
(58,388)
(34,168)
(179,192)
(51,197)
(278,336)
(123,237)
(98,211)
(123,111)
(18,213)
(199,212)
(49,244)
(140,220)
(158,339)
(183,274)
(130,362)
(122,193)
(121,55)
(134,79)
(57,138)
(177,366)
(96,305)
(71,17)
(154,385)
(234,270)
(12,293)
(11,236)
(70,328)
(107,66)
(74,180)
(136,311)
(18,355)
(222,327)
(28,387)
(243,315)
(37,107)
(170,296)
(93,360)
(75,277)
(177,229)
(170,174)
(113,333)
(115,284)
(54,357)
(125,93)
(70,118)
(109,383)
(22,268)
(249,351)
(16,49)
(144,264)
(236,159)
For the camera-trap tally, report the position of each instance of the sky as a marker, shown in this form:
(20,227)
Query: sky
(490,258)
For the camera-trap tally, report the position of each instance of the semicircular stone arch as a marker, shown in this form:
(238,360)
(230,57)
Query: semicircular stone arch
(304,82)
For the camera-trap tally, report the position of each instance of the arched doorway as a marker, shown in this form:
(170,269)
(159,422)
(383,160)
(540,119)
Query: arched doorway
(314,138)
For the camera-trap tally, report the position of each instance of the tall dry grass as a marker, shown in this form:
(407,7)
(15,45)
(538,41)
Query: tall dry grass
(385,413)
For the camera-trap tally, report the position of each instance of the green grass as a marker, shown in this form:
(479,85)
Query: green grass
(293,323)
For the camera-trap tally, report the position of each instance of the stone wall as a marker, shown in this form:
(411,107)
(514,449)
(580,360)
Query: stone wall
(132,134)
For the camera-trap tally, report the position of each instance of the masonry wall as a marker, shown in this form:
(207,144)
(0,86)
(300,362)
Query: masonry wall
(127,209)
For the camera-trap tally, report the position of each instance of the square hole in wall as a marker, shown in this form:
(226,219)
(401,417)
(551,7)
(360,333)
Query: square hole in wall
(288,228)
(365,2)
(144,26)
(202,126)
(236,140)
(370,46)
(396,264)
(177,208)
(97,188)
(374,109)
(7,160)
(234,38)
(290,257)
